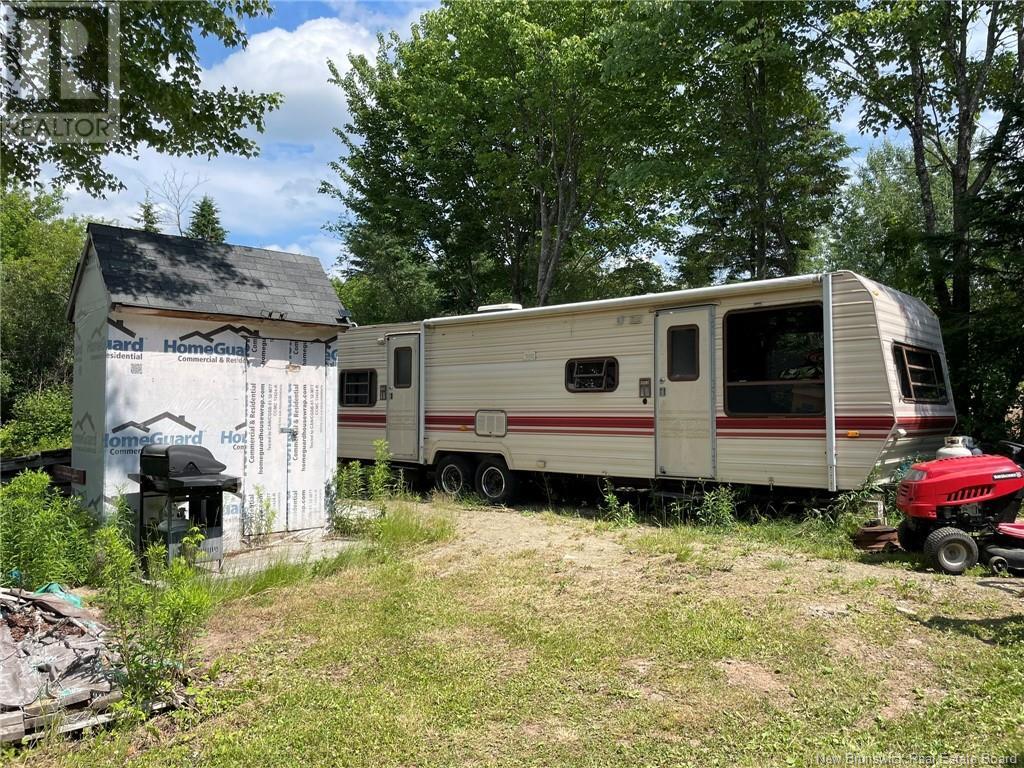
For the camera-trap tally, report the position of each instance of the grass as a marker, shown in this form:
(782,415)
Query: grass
(474,655)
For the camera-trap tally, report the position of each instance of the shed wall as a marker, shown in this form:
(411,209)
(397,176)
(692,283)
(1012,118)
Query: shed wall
(87,411)
(230,387)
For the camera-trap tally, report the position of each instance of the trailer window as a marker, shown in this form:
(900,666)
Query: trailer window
(403,367)
(921,376)
(358,389)
(774,361)
(592,374)
(683,353)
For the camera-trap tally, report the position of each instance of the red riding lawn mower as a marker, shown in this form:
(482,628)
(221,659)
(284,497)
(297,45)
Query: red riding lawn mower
(963,509)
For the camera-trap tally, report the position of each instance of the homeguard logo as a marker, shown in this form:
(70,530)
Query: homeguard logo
(83,433)
(234,437)
(133,443)
(202,346)
(130,348)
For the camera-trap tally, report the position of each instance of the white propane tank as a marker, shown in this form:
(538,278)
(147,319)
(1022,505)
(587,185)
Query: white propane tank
(956,445)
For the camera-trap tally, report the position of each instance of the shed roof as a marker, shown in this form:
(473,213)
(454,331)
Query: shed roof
(164,272)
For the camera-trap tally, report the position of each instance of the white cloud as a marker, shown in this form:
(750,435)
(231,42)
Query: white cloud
(294,63)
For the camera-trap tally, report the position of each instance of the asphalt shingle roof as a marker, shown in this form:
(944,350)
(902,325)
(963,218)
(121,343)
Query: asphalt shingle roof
(157,271)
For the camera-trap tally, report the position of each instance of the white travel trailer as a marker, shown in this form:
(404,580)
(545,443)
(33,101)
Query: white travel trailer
(809,381)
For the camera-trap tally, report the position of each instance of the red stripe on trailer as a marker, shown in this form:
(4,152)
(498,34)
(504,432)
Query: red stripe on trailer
(586,432)
(799,427)
(438,419)
(625,422)
(799,422)
(361,419)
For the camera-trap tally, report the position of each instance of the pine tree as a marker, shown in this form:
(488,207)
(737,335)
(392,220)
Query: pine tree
(205,224)
(149,215)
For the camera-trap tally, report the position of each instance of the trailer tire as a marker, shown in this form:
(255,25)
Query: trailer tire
(951,551)
(453,475)
(911,537)
(495,482)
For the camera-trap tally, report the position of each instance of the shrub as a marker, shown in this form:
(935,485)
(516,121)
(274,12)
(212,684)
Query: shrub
(42,422)
(44,536)
(153,623)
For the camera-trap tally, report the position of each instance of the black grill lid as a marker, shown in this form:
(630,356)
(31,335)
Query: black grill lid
(178,460)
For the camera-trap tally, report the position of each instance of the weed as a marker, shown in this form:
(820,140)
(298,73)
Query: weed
(618,513)
(380,482)
(154,622)
(258,521)
(351,482)
(718,508)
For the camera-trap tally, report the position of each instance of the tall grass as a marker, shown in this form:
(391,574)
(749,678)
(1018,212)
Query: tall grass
(403,526)
(283,573)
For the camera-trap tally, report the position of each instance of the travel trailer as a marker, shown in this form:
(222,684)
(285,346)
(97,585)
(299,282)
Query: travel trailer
(811,381)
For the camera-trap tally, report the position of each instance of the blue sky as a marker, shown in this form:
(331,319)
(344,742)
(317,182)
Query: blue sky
(272,200)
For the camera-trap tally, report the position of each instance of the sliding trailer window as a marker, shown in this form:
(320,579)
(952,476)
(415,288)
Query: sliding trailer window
(357,388)
(592,374)
(775,361)
(921,376)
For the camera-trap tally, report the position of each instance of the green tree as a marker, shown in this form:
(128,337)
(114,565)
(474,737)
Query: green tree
(880,232)
(932,69)
(997,216)
(148,216)
(39,248)
(487,147)
(205,223)
(163,103)
(879,228)
(41,422)
(389,286)
(740,140)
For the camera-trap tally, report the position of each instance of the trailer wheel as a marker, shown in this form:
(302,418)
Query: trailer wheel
(910,536)
(495,481)
(453,475)
(951,551)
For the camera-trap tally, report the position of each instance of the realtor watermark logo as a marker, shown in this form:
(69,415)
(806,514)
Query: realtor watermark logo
(61,71)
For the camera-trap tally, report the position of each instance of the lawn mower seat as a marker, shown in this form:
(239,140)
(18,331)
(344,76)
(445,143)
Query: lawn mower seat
(1013,530)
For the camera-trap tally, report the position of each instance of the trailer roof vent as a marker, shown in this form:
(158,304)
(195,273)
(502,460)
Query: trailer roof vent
(499,307)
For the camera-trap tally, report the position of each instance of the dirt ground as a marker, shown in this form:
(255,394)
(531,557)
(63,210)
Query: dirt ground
(607,557)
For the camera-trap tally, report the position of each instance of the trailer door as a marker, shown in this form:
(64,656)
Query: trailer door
(403,393)
(683,410)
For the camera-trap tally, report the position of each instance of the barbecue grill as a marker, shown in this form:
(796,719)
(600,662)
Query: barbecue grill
(189,484)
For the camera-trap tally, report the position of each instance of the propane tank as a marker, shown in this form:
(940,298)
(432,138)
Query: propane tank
(957,445)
